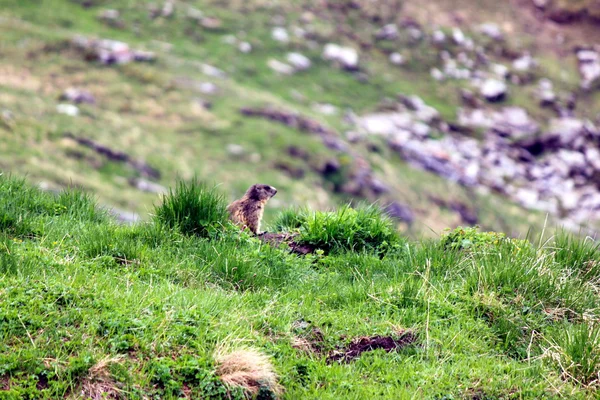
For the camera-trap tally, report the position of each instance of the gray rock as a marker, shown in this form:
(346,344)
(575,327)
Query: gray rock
(524,63)
(78,96)
(67,109)
(325,109)
(396,58)
(491,30)
(494,90)
(347,57)
(299,61)
(388,32)
(212,71)
(437,74)
(147,186)
(515,123)
(438,37)
(208,88)
(280,34)
(280,67)
(235,149)
(245,47)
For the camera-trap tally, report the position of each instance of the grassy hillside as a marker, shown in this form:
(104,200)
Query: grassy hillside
(166,114)
(92,309)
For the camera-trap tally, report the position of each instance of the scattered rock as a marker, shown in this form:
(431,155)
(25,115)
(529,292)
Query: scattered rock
(245,47)
(396,58)
(211,23)
(78,96)
(545,93)
(147,186)
(235,149)
(299,61)
(110,51)
(111,18)
(494,90)
(589,68)
(346,57)
(207,88)
(524,63)
(280,67)
(491,30)
(67,109)
(438,37)
(388,32)
(280,34)
(400,211)
(125,217)
(212,71)
(325,109)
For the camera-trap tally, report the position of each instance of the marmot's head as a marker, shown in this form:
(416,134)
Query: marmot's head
(260,192)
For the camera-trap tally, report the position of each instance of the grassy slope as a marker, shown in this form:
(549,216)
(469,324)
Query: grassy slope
(86,306)
(142,109)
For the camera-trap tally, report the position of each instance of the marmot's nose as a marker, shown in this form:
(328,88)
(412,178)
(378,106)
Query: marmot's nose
(274,190)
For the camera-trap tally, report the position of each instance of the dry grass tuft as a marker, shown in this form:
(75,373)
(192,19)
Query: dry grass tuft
(248,369)
(98,384)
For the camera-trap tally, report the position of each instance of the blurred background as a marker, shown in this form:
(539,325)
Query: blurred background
(445,112)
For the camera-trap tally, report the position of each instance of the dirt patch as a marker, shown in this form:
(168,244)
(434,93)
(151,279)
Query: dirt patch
(4,382)
(311,341)
(277,238)
(363,344)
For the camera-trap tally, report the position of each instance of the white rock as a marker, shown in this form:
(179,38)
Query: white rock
(527,197)
(280,67)
(208,88)
(437,74)
(500,70)
(235,149)
(245,47)
(491,30)
(346,56)
(493,90)
(396,58)
(458,36)
(388,32)
(524,63)
(280,34)
(67,109)
(212,71)
(325,109)
(438,37)
(588,56)
(299,61)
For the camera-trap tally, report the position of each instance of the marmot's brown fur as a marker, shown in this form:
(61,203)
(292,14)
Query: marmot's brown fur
(247,212)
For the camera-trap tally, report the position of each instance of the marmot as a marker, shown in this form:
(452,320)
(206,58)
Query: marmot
(248,211)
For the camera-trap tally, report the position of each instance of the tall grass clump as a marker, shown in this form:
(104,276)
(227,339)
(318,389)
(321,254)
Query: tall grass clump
(193,208)
(579,255)
(575,351)
(364,229)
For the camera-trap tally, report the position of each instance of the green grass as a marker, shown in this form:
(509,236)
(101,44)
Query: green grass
(141,311)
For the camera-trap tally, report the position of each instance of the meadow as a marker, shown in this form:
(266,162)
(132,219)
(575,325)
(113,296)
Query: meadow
(93,309)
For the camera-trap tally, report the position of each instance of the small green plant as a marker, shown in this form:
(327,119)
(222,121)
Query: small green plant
(348,229)
(471,238)
(193,208)
(581,255)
